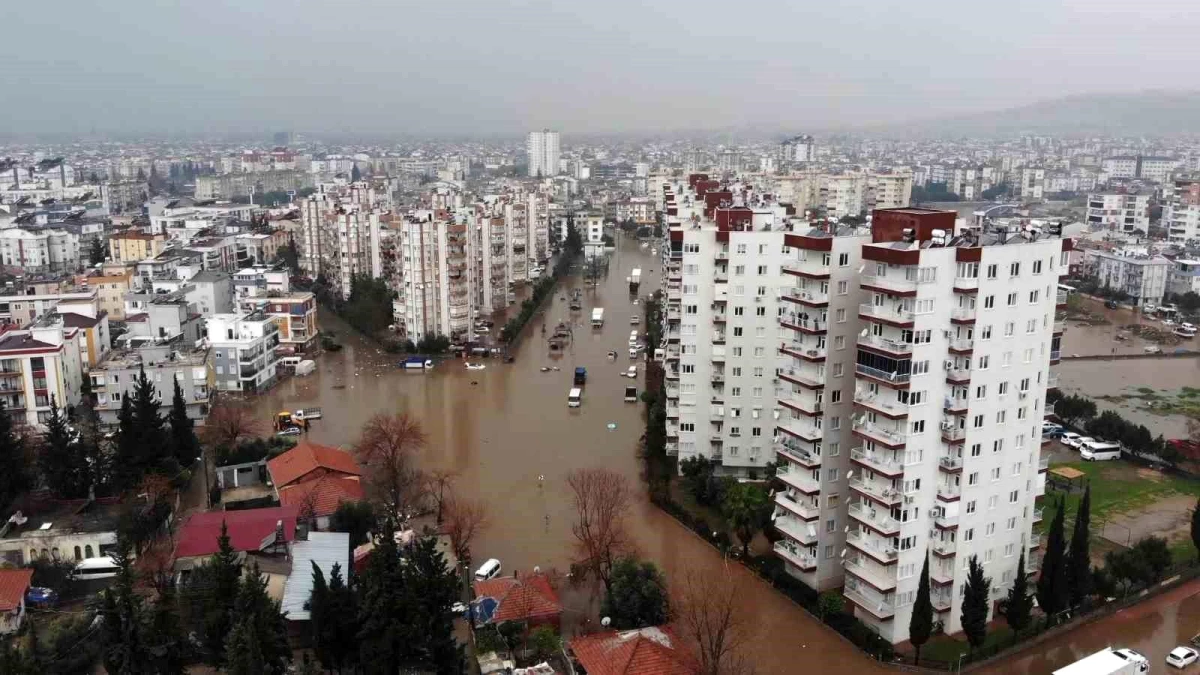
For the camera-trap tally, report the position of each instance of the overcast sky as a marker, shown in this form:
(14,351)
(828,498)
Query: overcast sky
(490,66)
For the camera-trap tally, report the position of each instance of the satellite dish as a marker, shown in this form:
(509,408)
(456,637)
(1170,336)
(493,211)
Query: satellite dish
(846,529)
(843,554)
(864,332)
(849,474)
(861,268)
(537,569)
(605,622)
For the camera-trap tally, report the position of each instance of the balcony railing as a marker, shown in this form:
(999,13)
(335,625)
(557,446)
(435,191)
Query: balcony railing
(958,375)
(879,433)
(893,346)
(954,433)
(945,548)
(950,463)
(898,283)
(798,400)
(968,283)
(802,429)
(801,506)
(898,378)
(807,349)
(944,520)
(798,478)
(875,548)
(1047,410)
(1060,298)
(961,345)
(963,314)
(1037,514)
(877,461)
(1055,354)
(1035,540)
(864,512)
(802,376)
(1043,463)
(869,600)
(949,491)
(798,321)
(887,313)
(797,454)
(877,577)
(795,555)
(883,493)
(1052,381)
(879,402)
(806,269)
(1060,326)
(805,295)
(798,530)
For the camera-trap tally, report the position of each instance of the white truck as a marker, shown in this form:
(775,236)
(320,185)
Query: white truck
(598,317)
(1108,661)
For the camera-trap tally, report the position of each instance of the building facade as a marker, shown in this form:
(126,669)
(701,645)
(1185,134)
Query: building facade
(244,353)
(542,151)
(1119,211)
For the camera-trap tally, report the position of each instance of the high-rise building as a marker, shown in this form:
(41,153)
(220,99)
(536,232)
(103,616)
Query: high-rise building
(1119,211)
(829,349)
(542,149)
(1181,214)
(435,298)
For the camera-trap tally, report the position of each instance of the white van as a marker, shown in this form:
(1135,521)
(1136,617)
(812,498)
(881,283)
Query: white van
(1099,451)
(633,335)
(290,361)
(574,397)
(488,570)
(103,567)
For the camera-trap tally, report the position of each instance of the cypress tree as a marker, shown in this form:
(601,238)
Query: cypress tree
(1019,603)
(183,434)
(920,625)
(975,603)
(126,453)
(1079,564)
(1196,526)
(1052,591)
(15,478)
(60,459)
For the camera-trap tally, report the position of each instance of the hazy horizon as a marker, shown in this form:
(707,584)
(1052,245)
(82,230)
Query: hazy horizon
(480,68)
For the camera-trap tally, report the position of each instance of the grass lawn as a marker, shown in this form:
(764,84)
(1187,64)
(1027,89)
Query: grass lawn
(1118,487)
(948,649)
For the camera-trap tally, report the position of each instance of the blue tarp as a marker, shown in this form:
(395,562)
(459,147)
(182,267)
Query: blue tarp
(483,609)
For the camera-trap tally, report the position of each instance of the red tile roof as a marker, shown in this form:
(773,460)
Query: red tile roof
(327,492)
(247,530)
(13,584)
(648,651)
(521,599)
(307,457)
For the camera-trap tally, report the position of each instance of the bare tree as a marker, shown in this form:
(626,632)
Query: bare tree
(155,566)
(438,483)
(465,519)
(709,612)
(229,422)
(602,499)
(387,448)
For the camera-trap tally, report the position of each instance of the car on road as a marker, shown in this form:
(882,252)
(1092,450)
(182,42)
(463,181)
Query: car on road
(1182,657)
(1070,438)
(632,372)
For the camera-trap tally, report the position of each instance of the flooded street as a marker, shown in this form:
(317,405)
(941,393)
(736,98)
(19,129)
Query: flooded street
(1123,377)
(503,427)
(1152,628)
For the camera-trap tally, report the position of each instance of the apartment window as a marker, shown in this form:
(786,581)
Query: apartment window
(969,535)
(990,530)
(825,259)
(762,249)
(987,556)
(741,248)
(984,362)
(760,311)
(762,291)
(758,371)
(843,260)
(735,391)
(1012,299)
(981,391)
(739,311)
(1002,388)
(1033,297)
(839,342)
(835,396)
(1014,270)
(1031,326)
(976,449)
(736,371)
(997,445)
(995,475)
(992,271)
(992,502)
(1006,359)
(1037,266)
(907,571)
(986,332)
(1015,494)
(687,368)
(918,427)
(973,479)
(757,392)
(837,370)
(737,351)
(978,422)
(1024,385)
(1011,524)
(759,352)
(687,426)
(971,506)
(989,302)
(835,422)
(739,270)
(829,552)
(843,287)
(1000,415)
(762,270)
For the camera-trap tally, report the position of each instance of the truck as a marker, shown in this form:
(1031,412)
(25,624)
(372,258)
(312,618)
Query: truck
(635,279)
(580,375)
(1108,661)
(416,363)
(598,317)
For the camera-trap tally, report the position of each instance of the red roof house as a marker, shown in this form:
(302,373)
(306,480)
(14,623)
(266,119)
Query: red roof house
(323,494)
(13,584)
(250,531)
(530,599)
(309,461)
(646,651)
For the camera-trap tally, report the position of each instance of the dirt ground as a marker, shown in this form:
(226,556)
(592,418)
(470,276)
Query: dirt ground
(1170,517)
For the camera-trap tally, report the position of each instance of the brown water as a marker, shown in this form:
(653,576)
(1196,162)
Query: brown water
(504,427)
(1124,377)
(1152,628)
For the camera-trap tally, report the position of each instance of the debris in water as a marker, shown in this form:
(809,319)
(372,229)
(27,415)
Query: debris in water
(612,426)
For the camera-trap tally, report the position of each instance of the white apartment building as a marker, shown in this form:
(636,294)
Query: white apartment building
(889,190)
(1119,211)
(40,249)
(38,364)
(542,149)
(340,235)
(1156,169)
(438,281)
(841,195)
(967,322)
(1181,213)
(244,354)
(1143,277)
(844,195)
(1033,184)
(1184,277)
(1121,167)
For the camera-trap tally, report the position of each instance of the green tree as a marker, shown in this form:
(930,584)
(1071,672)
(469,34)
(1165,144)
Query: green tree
(334,619)
(165,645)
(289,255)
(124,653)
(384,633)
(920,624)
(259,635)
(638,596)
(1052,589)
(975,603)
(434,586)
(1127,568)
(356,518)
(748,510)
(15,478)
(61,461)
(208,597)
(1157,556)
(1018,605)
(184,443)
(1079,563)
(573,244)
(830,603)
(545,642)
(1073,409)
(91,440)
(1196,526)
(96,252)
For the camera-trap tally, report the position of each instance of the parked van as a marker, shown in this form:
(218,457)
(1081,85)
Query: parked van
(1099,451)
(574,397)
(96,568)
(290,361)
(633,335)
(488,570)
(631,395)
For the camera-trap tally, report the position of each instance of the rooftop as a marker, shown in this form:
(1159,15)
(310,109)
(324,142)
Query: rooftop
(646,651)
(323,548)
(13,584)
(23,341)
(307,457)
(47,517)
(324,494)
(252,530)
(122,359)
(520,598)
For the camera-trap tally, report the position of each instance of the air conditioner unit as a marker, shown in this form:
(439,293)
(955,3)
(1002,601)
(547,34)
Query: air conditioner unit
(947,425)
(1022,395)
(937,512)
(949,364)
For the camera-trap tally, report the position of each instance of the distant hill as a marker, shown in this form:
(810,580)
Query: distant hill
(1147,113)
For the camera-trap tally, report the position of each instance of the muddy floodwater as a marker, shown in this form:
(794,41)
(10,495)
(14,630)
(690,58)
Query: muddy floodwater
(509,433)
(1115,379)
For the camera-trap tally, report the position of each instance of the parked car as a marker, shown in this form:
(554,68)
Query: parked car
(1070,438)
(38,596)
(1111,304)
(488,570)
(1077,443)
(1051,430)
(1182,657)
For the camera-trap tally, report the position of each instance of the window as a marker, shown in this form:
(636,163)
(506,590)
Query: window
(830,525)
(1000,415)
(1006,359)
(1033,297)
(758,371)
(986,332)
(741,248)
(1012,299)
(992,501)
(1014,269)
(829,552)
(843,260)
(1002,388)
(987,556)
(918,427)
(992,271)
(837,370)
(971,506)
(735,391)
(969,535)
(995,475)
(989,302)
(739,311)
(976,449)
(687,426)
(839,342)
(990,530)
(978,422)
(981,391)
(973,479)
(760,311)
(907,571)
(843,287)
(1011,524)
(1037,266)
(840,315)
(762,270)
(920,367)
(835,396)
(1031,326)
(1015,494)
(984,362)
(997,445)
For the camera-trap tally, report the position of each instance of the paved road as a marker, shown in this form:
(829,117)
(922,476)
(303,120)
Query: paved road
(1153,628)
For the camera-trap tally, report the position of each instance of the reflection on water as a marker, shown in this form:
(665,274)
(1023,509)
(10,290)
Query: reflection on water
(503,427)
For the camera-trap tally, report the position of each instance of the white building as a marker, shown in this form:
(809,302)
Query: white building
(38,364)
(438,281)
(40,249)
(542,150)
(1033,184)
(1143,277)
(340,234)
(1181,213)
(1121,167)
(1184,277)
(244,354)
(1119,211)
